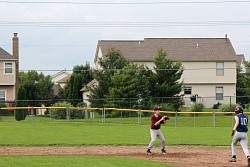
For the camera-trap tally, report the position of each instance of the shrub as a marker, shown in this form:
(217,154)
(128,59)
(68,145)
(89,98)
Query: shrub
(5,112)
(247,108)
(61,113)
(197,107)
(81,104)
(227,107)
(2,105)
(168,107)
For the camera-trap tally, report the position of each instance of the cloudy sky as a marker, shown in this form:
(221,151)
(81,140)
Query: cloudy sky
(57,35)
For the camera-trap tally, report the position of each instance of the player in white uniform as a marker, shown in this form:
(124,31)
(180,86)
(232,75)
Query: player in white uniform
(240,134)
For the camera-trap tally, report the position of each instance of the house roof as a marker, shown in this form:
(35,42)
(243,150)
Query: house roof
(178,49)
(64,80)
(60,73)
(240,58)
(60,77)
(4,54)
(89,85)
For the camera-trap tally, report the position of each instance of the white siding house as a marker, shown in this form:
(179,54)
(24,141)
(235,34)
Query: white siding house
(209,64)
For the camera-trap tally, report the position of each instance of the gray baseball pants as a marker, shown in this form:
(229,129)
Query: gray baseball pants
(156,133)
(242,138)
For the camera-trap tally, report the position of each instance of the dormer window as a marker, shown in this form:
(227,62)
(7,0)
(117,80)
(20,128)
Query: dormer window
(8,68)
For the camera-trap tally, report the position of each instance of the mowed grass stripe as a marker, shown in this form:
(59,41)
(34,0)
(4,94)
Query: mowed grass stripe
(75,161)
(81,133)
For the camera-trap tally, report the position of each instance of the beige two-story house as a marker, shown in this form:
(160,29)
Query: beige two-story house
(59,79)
(9,69)
(209,64)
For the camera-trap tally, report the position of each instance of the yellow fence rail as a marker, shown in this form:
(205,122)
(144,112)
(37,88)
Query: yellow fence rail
(103,111)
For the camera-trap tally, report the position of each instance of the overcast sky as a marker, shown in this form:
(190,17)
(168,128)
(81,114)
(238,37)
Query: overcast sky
(57,35)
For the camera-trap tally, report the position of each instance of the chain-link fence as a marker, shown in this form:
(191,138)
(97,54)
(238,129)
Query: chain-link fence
(132,116)
(135,111)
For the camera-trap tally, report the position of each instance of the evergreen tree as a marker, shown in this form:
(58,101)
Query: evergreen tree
(80,77)
(166,80)
(20,114)
(34,89)
(243,85)
(109,64)
(130,82)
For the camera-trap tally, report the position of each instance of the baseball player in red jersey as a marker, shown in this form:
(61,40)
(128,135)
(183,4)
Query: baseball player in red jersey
(156,121)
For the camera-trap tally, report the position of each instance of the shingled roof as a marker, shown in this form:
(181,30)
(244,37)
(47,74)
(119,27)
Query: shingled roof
(178,49)
(4,54)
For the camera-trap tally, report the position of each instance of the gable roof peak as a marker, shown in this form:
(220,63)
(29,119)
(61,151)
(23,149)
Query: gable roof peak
(5,55)
(178,49)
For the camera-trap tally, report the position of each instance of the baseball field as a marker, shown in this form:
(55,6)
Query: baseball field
(89,143)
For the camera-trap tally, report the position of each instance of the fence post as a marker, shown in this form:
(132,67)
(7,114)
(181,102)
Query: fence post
(194,119)
(103,115)
(176,119)
(213,118)
(139,117)
(104,112)
(67,112)
(86,115)
(32,113)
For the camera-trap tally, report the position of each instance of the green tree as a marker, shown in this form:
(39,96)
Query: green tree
(243,85)
(166,80)
(20,114)
(111,62)
(34,89)
(81,76)
(130,82)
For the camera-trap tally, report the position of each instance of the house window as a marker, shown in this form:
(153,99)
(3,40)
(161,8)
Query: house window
(219,93)
(187,90)
(219,69)
(2,95)
(8,68)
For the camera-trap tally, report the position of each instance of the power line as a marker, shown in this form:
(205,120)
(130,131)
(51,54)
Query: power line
(76,45)
(139,69)
(127,24)
(121,3)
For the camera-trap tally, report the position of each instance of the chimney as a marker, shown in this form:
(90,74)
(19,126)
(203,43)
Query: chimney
(226,37)
(15,50)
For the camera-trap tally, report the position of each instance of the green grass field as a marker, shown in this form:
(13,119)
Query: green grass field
(84,133)
(183,120)
(74,161)
(119,131)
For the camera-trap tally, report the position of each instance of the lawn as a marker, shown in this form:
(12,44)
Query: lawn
(182,120)
(90,133)
(74,161)
(123,131)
